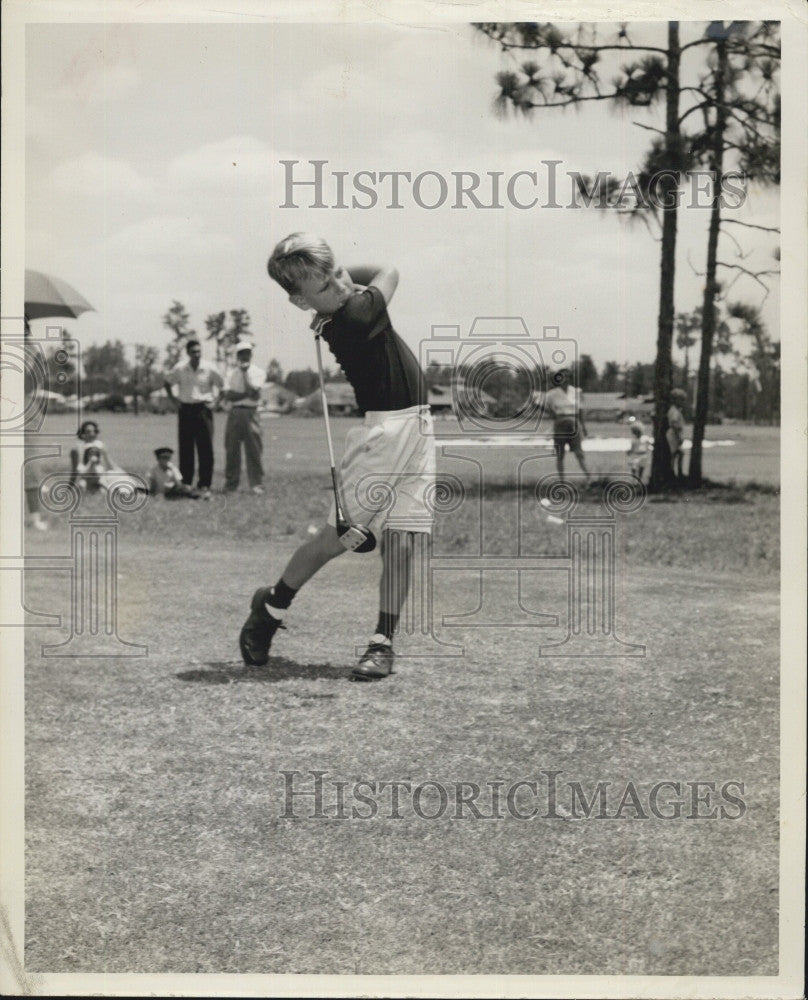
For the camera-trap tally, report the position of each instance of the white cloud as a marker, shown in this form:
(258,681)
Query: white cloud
(91,79)
(239,158)
(93,175)
(173,237)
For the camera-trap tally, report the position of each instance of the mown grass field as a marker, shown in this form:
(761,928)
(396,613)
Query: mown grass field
(156,835)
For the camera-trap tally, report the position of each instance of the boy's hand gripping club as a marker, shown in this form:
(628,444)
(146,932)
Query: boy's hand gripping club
(353,537)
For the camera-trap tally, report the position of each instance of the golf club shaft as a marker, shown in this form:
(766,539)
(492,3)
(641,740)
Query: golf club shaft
(334,478)
(325,407)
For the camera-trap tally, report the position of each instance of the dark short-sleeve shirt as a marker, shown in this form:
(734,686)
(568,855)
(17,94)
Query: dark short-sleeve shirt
(383,371)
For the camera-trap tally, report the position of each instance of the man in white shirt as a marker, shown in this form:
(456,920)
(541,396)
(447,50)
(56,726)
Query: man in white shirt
(564,403)
(198,385)
(243,390)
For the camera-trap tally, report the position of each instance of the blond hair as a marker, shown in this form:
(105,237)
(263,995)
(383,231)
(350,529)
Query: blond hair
(299,256)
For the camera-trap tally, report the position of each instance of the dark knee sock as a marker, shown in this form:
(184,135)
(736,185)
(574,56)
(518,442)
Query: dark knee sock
(281,595)
(386,624)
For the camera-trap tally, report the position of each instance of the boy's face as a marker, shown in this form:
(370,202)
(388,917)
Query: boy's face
(325,293)
(163,461)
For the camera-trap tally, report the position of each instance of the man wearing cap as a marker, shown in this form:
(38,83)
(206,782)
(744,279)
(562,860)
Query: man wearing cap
(198,384)
(243,390)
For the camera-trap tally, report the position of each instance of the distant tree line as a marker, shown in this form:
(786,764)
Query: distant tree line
(744,376)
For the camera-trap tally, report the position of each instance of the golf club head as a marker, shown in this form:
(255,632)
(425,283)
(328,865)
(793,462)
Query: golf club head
(356,538)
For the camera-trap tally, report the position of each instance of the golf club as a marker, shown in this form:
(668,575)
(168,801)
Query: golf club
(354,537)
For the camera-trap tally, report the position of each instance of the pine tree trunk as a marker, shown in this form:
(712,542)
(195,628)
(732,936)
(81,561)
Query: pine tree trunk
(661,471)
(711,289)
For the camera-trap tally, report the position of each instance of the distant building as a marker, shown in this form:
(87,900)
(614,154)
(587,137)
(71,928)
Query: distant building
(276,399)
(342,401)
(340,396)
(613,406)
(440,399)
(446,399)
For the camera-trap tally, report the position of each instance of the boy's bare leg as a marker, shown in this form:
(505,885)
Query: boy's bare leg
(268,603)
(396,548)
(312,556)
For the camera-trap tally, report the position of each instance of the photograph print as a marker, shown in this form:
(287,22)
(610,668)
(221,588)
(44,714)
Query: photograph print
(403,481)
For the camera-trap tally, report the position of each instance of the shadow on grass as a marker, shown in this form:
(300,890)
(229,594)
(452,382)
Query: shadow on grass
(710,491)
(278,669)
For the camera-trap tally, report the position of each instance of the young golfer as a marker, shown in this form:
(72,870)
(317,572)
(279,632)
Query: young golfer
(394,448)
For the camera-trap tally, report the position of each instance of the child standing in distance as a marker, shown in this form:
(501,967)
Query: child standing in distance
(395,445)
(676,429)
(639,449)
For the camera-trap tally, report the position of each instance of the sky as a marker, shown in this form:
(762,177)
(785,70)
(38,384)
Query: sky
(153,173)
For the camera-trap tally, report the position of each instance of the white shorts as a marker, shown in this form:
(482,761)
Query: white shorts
(388,471)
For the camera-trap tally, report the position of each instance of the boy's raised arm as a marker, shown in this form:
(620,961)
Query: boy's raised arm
(384,278)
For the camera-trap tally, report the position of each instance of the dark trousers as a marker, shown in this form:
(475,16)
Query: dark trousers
(196,438)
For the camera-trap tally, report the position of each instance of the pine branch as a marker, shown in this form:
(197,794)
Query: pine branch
(572,100)
(572,46)
(738,248)
(696,107)
(754,275)
(751,225)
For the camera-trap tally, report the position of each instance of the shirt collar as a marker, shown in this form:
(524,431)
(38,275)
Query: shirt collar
(319,322)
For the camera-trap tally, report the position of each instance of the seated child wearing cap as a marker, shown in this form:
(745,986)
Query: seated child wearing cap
(165,479)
